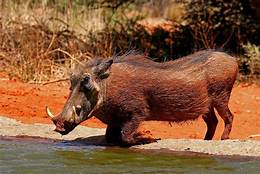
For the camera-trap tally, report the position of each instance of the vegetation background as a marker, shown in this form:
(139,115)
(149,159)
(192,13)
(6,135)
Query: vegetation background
(43,39)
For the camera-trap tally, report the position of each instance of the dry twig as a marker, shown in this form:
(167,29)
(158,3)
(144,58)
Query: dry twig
(55,81)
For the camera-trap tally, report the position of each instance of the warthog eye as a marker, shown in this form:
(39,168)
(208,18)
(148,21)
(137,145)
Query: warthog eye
(86,79)
(85,83)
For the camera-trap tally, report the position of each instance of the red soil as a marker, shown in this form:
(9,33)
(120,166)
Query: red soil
(26,103)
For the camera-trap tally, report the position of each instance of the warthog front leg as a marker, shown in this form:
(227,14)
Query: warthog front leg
(130,136)
(113,134)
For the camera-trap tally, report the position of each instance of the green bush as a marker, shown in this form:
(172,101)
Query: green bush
(250,62)
(222,24)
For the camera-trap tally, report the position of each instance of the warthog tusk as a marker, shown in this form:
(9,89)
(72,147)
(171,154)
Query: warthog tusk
(49,113)
(74,113)
(78,107)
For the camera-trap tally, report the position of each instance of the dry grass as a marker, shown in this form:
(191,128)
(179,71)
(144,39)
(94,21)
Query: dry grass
(40,43)
(175,12)
(172,10)
(41,40)
(32,52)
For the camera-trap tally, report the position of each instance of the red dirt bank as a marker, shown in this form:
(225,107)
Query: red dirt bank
(26,102)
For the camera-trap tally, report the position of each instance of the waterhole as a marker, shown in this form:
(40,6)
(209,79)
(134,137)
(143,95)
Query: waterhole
(48,156)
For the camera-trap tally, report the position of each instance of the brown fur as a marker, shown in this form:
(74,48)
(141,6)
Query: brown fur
(139,89)
(135,89)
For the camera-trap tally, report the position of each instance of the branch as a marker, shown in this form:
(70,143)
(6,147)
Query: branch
(55,81)
(228,39)
(68,54)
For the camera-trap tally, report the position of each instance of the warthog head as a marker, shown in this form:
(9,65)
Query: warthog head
(84,95)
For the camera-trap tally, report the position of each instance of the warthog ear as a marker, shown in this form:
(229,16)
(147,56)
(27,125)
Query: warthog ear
(102,70)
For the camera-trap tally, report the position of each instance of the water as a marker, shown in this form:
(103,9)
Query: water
(43,156)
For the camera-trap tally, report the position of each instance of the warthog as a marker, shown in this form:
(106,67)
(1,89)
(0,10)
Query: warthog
(135,89)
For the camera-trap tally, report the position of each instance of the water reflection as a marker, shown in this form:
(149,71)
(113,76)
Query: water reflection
(71,157)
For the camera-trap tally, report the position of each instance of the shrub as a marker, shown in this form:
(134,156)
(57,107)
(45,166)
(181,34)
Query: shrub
(250,62)
(222,24)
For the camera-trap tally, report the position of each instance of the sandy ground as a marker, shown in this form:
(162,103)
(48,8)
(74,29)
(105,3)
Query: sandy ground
(95,136)
(26,103)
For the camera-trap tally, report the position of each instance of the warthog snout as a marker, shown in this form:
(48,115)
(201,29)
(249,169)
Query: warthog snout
(63,126)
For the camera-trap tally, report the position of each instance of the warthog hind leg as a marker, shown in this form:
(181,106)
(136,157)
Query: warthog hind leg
(227,116)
